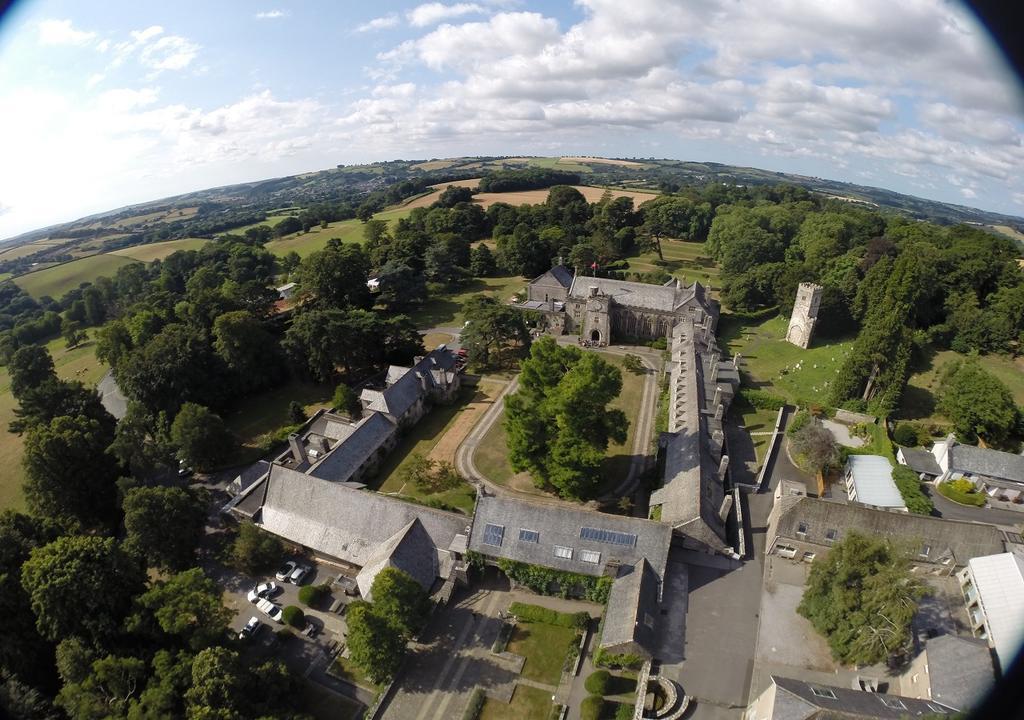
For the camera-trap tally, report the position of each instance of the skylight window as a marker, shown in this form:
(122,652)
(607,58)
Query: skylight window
(563,552)
(590,556)
(612,537)
(823,693)
(494,534)
(530,536)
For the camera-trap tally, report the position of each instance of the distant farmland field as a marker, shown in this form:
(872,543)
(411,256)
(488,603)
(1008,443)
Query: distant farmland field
(158,251)
(57,280)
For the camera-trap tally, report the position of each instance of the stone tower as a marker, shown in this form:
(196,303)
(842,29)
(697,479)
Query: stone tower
(805,314)
(597,324)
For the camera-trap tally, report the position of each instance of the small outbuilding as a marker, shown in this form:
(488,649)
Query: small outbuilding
(287,291)
(869,482)
(920,461)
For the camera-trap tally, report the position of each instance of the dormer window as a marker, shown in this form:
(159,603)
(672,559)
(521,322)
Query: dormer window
(801,528)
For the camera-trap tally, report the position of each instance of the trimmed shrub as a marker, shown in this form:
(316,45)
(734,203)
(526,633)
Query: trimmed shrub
(798,423)
(591,708)
(761,399)
(535,613)
(962,491)
(905,435)
(293,615)
(624,712)
(598,681)
(625,660)
(313,594)
(476,704)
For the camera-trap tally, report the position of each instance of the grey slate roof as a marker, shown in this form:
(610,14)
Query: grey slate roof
(560,525)
(632,611)
(248,476)
(410,550)
(559,273)
(630,294)
(344,523)
(985,461)
(847,703)
(405,386)
(965,540)
(921,461)
(960,670)
(348,456)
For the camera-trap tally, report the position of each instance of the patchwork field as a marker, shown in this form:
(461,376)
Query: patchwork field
(158,251)
(78,364)
(22,250)
(534,197)
(601,161)
(57,280)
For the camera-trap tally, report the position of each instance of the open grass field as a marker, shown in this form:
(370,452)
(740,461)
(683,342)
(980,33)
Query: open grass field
(78,364)
(535,197)
(528,703)
(685,260)
(601,161)
(800,376)
(544,647)
(316,238)
(446,310)
(1010,232)
(919,399)
(432,432)
(158,251)
(22,250)
(57,280)
(492,453)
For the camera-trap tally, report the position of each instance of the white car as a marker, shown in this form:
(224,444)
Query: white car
(298,574)
(286,571)
(263,590)
(269,609)
(250,628)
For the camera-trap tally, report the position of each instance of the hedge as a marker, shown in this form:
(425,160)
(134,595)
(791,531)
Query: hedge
(313,594)
(598,681)
(543,581)
(761,399)
(591,708)
(798,422)
(909,486)
(624,712)
(293,615)
(538,614)
(962,491)
(476,704)
(603,658)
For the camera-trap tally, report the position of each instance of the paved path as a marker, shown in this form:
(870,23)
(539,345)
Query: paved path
(954,511)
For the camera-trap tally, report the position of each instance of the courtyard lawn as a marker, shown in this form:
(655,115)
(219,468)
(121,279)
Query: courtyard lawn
(78,364)
(545,648)
(688,261)
(770,363)
(754,421)
(918,402)
(259,416)
(59,279)
(446,310)
(528,703)
(427,437)
(492,454)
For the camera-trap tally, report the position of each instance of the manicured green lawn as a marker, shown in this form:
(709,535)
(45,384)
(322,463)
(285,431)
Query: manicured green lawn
(447,310)
(687,261)
(545,648)
(57,280)
(528,703)
(78,364)
(754,420)
(771,363)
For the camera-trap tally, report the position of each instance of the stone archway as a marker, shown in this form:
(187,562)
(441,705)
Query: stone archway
(595,336)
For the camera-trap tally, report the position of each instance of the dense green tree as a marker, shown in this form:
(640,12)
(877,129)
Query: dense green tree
(142,443)
(251,352)
(30,367)
(54,398)
(909,485)
(68,473)
(113,343)
(376,644)
(400,600)
(558,422)
(862,599)
(186,606)
(163,525)
(496,335)
(81,586)
(336,276)
(346,401)
(201,437)
(401,287)
(218,686)
(977,402)
(482,262)
(163,697)
(255,550)
(107,692)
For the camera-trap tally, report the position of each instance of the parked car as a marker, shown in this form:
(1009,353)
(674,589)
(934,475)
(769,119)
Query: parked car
(263,590)
(299,574)
(183,469)
(269,609)
(286,571)
(250,628)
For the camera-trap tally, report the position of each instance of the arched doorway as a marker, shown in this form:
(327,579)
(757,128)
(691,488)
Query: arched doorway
(595,336)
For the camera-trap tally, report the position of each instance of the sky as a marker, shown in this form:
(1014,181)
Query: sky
(104,104)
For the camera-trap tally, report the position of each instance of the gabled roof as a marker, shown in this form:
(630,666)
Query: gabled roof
(837,702)
(632,610)
(563,526)
(249,475)
(630,294)
(410,550)
(920,461)
(997,464)
(342,522)
(368,435)
(965,540)
(960,670)
(872,480)
(559,273)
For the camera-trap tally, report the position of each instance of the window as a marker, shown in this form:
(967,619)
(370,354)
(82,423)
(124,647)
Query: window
(590,556)
(926,550)
(801,528)
(494,534)
(823,693)
(531,536)
(831,534)
(608,536)
(891,702)
(563,552)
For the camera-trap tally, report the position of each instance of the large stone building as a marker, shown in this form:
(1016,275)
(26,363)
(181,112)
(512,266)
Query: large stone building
(601,309)
(805,315)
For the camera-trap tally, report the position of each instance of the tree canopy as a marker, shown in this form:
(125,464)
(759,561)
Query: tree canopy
(977,402)
(163,525)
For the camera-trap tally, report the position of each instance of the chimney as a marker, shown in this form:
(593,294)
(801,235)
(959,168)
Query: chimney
(719,437)
(298,451)
(726,506)
(719,411)
(718,396)
(593,290)
(722,466)
(736,361)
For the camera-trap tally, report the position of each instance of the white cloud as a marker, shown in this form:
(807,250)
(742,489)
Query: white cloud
(94,80)
(62,32)
(170,52)
(271,15)
(380,23)
(433,13)
(1018,198)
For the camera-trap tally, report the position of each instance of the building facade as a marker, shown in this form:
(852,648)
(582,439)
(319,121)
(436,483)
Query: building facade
(805,315)
(993,589)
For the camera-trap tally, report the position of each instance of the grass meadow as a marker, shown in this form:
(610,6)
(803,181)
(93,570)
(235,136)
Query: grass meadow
(57,280)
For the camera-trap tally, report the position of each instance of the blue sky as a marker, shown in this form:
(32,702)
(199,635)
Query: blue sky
(107,104)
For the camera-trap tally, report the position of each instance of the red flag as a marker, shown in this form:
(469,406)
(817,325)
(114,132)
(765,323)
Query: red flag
(593,265)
